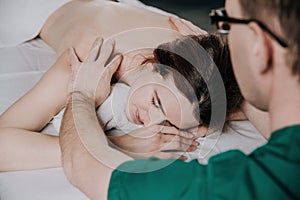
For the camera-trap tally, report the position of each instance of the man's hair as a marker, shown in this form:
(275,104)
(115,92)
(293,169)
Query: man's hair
(287,13)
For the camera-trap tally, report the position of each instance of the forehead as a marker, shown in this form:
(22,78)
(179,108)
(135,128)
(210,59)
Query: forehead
(233,8)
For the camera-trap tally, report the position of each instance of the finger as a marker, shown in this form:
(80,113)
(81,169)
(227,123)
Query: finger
(201,131)
(195,143)
(191,148)
(188,24)
(175,138)
(106,51)
(195,29)
(94,52)
(186,134)
(186,27)
(175,131)
(169,155)
(178,144)
(180,26)
(172,21)
(113,66)
(73,59)
(174,146)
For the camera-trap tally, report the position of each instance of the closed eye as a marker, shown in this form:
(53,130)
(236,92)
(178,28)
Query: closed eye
(168,123)
(159,103)
(154,102)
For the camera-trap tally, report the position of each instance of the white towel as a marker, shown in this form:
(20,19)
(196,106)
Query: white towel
(111,113)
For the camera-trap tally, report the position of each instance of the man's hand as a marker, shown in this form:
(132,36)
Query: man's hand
(185,27)
(92,77)
(156,141)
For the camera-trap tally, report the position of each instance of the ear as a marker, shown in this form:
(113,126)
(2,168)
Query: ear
(261,48)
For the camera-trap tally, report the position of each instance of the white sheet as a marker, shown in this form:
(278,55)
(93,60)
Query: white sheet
(38,185)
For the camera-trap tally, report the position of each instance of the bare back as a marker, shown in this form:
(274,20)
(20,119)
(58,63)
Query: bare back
(79,22)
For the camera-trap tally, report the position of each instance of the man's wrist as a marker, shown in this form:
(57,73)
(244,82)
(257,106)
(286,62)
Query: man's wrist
(80,97)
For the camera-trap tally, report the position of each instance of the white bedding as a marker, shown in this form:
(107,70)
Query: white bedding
(21,67)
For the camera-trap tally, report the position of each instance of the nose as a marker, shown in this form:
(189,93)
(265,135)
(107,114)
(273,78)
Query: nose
(155,116)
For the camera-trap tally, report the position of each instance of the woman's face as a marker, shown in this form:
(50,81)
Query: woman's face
(155,100)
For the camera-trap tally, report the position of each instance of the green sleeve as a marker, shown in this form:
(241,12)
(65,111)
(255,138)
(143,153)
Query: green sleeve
(270,172)
(185,180)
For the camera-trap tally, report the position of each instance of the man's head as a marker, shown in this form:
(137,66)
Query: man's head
(258,46)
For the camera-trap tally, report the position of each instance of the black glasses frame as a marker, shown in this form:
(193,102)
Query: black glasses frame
(220,15)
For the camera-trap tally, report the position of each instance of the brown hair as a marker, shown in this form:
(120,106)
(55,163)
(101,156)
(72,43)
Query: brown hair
(287,13)
(165,55)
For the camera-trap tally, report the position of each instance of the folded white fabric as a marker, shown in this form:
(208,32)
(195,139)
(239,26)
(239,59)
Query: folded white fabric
(111,113)
(240,135)
(20,69)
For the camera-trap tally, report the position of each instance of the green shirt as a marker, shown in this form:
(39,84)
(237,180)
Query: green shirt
(270,172)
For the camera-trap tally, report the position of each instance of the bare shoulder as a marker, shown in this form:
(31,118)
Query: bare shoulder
(78,23)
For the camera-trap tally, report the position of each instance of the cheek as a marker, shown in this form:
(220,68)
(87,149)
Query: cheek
(138,97)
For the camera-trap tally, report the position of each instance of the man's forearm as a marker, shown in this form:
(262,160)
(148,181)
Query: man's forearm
(81,136)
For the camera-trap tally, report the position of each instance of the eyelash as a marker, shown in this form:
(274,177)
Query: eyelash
(153,102)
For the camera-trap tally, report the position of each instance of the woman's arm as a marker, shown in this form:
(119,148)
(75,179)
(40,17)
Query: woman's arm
(89,174)
(21,146)
(23,150)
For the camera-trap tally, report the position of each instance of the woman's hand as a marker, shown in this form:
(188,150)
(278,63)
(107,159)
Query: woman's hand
(156,140)
(92,77)
(185,27)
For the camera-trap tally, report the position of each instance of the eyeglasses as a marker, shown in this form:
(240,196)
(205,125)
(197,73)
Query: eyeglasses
(221,19)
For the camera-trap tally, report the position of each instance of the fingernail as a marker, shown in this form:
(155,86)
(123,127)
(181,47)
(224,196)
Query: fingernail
(191,148)
(118,57)
(183,158)
(99,39)
(196,143)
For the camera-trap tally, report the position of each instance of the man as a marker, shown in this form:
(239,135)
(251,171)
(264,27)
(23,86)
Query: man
(264,43)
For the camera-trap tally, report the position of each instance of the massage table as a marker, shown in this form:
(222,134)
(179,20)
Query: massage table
(24,58)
